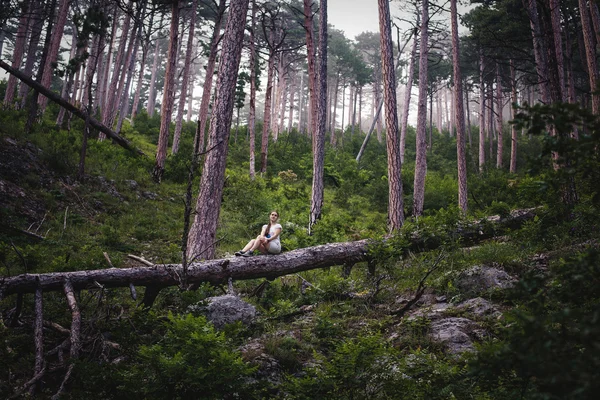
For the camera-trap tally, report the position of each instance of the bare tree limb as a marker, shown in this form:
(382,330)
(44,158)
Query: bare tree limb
(120,140)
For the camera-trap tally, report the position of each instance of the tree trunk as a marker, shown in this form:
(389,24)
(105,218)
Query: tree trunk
(396,202)
(459,113)
(590,53)
(112,96)
(318,139)
(291,108)
(500,133)
(421,156)
(334,116)
(52,57)
(168,95)
(541,63)
(201,241)
(252,113)
(129,67)
(152,89)
(185,80)
(32,53)
(264,147)
(19,49)
(311,59)
(408,91)
(138,87)
(105,72)
(513,142)
(208,79)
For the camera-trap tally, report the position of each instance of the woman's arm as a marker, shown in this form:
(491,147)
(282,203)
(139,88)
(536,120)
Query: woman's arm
(277,233)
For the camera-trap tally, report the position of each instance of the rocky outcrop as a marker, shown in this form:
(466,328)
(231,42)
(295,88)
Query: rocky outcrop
(480,279)
(228,309)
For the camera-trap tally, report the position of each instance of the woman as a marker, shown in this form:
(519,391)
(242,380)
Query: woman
(268,240)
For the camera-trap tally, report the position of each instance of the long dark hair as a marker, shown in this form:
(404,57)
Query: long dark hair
(269,224)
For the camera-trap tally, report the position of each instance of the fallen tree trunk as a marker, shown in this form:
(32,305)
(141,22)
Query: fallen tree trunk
(213,271)
(157,276)
(118,139)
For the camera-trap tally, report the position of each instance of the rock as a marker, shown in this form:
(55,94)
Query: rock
(133,185)
(150,195)
(454,333)
(223,310)
(480,279)
(479,307)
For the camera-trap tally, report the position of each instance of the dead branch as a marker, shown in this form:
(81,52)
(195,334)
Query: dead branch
(118,139)
(141,260)
(57,327)
(75,334)
(38,335)
(420,288)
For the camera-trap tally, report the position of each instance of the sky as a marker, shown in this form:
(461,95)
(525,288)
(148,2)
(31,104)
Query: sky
(353,16)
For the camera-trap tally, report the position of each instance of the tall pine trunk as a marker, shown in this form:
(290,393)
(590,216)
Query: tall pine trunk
(185,80)
(318,143)
(459,113)
(396,203)
(421,156)
(408,91)
(168,95)
(201,240)
(252,112)
(208,79)
(52,56)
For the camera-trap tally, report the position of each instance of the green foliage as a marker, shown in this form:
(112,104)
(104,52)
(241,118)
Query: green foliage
(191,361)
(551,342)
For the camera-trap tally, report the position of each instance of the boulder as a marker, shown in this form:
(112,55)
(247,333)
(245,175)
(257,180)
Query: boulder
(480,279)
(227,309)
(479,307)
(455,333)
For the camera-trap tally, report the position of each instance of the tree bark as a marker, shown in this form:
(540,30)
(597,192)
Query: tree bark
(459,113)
(264,147)
(32,53)
(513,141)
(408,91)
(318,142)
(252,111)
(52,57)
(500,133)
(201,241)
(168,95)
(18,52)
(311,59)
(421,156)
(112,98)
(396,202)
(208,79)
(590,53)
(185,80)
(151,105)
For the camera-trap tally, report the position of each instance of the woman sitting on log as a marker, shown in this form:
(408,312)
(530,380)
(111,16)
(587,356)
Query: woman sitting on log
(268,240)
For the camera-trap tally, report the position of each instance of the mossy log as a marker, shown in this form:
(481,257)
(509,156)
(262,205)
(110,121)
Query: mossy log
(213,271)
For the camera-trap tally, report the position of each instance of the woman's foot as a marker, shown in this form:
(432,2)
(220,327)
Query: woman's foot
(239,253)
(249,253)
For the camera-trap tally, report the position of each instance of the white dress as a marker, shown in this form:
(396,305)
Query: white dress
(274,246)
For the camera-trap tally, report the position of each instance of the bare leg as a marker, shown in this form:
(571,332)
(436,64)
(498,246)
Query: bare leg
(249,246)
(259,244)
